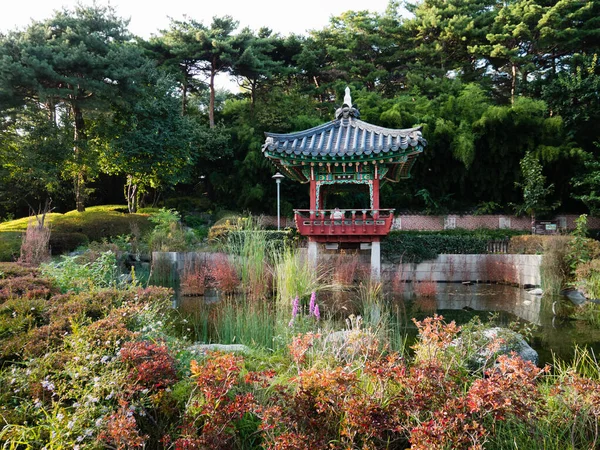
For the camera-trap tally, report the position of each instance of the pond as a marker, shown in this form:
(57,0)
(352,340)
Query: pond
(550,334)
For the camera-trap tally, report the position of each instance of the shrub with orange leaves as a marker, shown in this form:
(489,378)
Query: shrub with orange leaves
(217,405)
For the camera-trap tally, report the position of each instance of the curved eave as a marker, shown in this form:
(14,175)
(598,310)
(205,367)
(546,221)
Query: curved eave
(401,170)
(390,157)
(343,139)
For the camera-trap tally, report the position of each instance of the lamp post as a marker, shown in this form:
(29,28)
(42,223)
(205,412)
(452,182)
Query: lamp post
(278,177)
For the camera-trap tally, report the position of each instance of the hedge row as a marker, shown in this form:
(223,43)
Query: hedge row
(411,247)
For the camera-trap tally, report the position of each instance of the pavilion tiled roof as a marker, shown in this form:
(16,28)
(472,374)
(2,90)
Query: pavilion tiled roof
(344,139)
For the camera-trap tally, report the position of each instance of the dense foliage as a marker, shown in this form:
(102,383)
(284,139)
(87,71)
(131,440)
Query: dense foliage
(495,85)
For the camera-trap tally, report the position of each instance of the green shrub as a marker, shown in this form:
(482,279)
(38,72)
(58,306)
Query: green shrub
(70,275)
(218,232)
(10,245)
(417,247)
(168,235)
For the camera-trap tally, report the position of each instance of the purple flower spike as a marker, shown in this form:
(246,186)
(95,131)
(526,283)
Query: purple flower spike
(295,307)
(313,302)
(317,313)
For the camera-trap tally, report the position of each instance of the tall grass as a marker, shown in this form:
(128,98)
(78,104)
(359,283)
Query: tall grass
(585,363)
(35,248)
(554,269)
(294,277)
(384,318)
(162,273)
(252,257)
(243,321)
(232,320)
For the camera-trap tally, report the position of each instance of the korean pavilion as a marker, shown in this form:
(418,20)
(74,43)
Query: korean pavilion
(345,153)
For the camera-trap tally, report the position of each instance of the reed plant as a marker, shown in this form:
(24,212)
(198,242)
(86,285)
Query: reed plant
(162,273)
(244,321)
(294,277)
(387,319)
(584,363)
(574,398)
(252,257)
(554,269)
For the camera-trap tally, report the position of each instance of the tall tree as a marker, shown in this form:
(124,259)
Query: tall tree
(513,43)
(79,59)
(206,51)
(153,145)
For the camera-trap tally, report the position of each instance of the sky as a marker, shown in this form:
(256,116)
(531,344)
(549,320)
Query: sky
(148,17)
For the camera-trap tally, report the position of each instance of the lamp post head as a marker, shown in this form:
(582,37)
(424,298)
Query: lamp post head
(278,177)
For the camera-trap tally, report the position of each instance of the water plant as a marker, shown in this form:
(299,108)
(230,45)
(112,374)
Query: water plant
(252,256)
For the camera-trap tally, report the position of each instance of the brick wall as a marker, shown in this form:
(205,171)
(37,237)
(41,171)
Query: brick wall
(422,222)
(433,223)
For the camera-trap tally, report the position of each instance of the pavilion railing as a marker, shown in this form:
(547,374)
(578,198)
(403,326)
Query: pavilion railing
(344,221)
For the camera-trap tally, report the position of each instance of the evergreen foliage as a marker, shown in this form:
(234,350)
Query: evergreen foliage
(489,81)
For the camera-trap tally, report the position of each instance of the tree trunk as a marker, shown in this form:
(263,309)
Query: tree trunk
(184,100)
(78,139)
(131,194)
(513,84)
(211,105)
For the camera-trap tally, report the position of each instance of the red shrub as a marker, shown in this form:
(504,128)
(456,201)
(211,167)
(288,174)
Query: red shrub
(195,278)
(152,366)
(425,288)
(121,431)
(224,274)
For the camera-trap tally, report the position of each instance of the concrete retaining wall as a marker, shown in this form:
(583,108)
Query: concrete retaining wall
(514,269)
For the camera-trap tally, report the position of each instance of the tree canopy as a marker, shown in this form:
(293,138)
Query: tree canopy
(493,83)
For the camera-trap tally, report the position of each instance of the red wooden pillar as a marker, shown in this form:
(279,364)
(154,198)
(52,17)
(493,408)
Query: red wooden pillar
(375,204)
(313,199)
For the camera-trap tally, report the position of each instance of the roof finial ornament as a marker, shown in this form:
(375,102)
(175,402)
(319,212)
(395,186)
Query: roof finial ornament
(346,111)
(348,98)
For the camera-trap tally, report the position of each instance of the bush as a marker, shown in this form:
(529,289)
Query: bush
(10,245)
(527,244)
(414,248)
(12,270)
(96,223)
(27,286)
(168,234)
(71,275)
